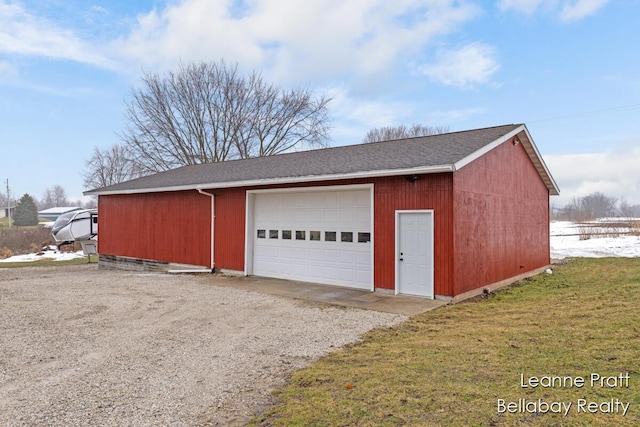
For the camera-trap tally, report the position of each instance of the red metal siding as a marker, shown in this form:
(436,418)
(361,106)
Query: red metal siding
(490,218)
(501,209)
(428,192)
(170,227)
(390,194)
(229,228)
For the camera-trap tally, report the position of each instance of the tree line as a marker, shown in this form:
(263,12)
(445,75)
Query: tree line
(25,210)
(54,196)
(593,206)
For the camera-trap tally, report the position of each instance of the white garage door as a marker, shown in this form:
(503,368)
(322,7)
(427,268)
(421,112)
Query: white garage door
(314,236)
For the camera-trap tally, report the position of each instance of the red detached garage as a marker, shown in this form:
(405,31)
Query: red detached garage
(441,216)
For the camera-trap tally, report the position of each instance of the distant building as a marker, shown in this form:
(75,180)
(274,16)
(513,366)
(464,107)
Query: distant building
(4,212)
(53,213)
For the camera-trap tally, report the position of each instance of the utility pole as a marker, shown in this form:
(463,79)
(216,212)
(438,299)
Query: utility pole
(8,204)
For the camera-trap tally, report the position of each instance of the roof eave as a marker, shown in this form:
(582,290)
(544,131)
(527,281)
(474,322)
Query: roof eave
(284,180)
(488,147)
(539,163)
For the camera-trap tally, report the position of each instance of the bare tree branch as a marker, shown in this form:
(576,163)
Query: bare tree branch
(110,166)
(55,196)
(389,133)
(207,112)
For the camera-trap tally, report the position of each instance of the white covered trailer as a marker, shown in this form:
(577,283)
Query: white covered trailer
(78,226)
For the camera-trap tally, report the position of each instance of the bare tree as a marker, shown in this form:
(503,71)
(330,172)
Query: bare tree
(628,211)
(597,205)
(207,112)
(388,133)
(110,166)
(573,210)
(589,207)
(53,197)
(90,203)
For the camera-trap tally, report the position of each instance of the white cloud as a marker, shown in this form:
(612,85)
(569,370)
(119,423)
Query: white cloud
(567,10)
(315,38)
(614,173)
(22,33)
(580,9)
(524,6)
(472,64)
(371,112)
(292,41)
(352,117)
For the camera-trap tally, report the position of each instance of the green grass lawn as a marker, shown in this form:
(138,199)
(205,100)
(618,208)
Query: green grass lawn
(452,366)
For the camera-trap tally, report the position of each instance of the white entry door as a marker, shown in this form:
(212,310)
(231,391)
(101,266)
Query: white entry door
(414,253)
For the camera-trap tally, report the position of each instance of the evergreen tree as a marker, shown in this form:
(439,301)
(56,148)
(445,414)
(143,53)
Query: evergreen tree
(26,211)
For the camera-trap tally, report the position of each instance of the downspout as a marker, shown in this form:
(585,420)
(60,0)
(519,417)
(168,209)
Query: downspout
(213,216)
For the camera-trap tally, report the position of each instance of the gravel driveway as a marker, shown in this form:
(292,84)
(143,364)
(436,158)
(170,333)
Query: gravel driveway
(82,346)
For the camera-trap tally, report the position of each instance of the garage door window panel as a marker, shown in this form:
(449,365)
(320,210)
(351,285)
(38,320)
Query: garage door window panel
(346,236)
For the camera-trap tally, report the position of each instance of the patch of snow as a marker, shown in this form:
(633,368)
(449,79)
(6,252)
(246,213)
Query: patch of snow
(565,242)
(563,228)
(50,254)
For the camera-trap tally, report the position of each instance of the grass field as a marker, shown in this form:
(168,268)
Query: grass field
(453,366)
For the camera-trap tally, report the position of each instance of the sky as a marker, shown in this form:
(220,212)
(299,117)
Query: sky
(568,69)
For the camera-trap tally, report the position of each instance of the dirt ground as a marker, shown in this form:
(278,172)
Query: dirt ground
(82,346)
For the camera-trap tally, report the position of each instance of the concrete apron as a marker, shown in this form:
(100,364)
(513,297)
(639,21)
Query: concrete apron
(337,295)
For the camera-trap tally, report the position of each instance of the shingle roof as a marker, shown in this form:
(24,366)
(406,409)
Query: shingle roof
(436,153)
